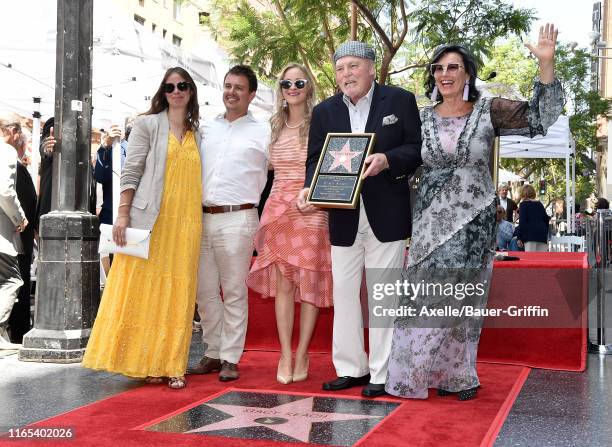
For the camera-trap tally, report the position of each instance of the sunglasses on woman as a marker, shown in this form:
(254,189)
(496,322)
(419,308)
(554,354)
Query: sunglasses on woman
(299,83)
(182,86)
(448,68)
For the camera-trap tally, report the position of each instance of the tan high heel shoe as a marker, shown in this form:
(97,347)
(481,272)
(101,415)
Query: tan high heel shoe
(285,380)
(299,376)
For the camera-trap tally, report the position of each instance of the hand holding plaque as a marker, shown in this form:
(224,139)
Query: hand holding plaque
(337,180)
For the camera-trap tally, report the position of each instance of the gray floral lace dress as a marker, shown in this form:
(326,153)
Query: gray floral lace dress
(453,238)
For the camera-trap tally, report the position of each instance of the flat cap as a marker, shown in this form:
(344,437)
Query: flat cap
(355,48)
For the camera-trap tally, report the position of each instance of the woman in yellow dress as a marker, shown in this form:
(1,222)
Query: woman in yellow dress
(143,326)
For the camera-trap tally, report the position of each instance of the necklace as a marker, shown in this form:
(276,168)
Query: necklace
(181,133)
(295,126)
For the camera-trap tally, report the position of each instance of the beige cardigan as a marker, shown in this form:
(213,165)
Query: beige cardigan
(11,213)
(145,166)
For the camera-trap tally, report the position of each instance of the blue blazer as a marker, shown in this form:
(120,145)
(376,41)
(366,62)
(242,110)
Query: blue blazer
(386,196)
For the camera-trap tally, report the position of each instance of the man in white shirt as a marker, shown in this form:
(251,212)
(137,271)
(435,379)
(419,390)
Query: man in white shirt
(234,173)
(506,203)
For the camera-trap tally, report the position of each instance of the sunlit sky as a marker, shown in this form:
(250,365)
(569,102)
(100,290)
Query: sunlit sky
(573,18)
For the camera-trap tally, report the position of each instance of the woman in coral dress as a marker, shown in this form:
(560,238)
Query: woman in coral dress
(143,326)
(294,253)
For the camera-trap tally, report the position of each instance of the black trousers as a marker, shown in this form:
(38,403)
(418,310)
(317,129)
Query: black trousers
(19,321)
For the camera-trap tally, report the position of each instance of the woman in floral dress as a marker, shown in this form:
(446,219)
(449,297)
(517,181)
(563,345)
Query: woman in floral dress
(454,225)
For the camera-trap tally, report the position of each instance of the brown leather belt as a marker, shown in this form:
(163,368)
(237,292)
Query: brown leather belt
(226,208)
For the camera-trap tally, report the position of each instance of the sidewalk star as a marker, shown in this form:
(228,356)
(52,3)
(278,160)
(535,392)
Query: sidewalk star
(293,419)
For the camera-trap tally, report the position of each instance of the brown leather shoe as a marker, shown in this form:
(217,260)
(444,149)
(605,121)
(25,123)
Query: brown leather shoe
(229,371)
(206,366)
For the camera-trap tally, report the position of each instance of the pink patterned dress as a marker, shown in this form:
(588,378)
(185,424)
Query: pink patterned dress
(296,243)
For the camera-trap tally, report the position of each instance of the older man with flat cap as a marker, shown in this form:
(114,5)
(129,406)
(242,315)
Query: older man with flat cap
(374,234)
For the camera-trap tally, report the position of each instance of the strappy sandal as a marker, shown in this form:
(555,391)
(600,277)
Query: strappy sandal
(177,383)
(155,380)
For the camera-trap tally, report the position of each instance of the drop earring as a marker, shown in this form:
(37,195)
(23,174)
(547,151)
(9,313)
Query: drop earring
(434,93)
(284,103)
(466,91)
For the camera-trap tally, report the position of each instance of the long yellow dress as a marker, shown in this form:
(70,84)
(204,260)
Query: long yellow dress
(143,327)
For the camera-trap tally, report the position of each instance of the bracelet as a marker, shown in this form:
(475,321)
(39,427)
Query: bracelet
(124,204)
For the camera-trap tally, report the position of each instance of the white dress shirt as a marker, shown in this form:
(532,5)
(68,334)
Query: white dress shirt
(234,160)
(358,113)
(504,203)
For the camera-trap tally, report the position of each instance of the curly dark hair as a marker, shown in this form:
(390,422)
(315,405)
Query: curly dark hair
(159,103)
(469,62)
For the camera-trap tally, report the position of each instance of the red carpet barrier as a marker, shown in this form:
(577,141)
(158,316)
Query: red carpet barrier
(556,282)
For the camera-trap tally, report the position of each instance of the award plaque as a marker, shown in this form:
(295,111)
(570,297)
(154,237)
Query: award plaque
(337,179)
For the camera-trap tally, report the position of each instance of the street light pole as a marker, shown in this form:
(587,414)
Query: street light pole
(67,289)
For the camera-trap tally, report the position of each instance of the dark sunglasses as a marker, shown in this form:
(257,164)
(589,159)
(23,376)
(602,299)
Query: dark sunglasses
(299,83)
(448,68)
(182,86)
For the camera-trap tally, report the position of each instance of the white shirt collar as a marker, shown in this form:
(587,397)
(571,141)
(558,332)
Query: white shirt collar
(367,97)
(248,117)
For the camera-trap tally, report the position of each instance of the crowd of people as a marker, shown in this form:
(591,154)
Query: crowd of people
(196,186)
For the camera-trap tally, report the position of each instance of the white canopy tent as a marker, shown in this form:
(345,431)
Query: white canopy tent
(128,64)
(505,176)
(558,143)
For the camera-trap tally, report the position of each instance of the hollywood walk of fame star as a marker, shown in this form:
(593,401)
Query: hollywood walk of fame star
(343,158)
(294,419)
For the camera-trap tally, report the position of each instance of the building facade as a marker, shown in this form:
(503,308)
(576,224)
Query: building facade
(601,81)
(175,21)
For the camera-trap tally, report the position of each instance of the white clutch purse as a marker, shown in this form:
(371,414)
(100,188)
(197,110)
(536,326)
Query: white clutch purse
(137,242)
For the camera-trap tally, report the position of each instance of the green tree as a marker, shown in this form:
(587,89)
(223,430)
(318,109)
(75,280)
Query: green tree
(513,66)
(279,32)
(270,33)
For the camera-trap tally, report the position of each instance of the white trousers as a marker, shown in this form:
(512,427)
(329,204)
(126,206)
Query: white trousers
(348,352)
(10,283)
(225,258)
(536,246)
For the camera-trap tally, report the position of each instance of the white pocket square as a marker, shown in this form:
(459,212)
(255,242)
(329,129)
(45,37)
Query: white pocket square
(389,119)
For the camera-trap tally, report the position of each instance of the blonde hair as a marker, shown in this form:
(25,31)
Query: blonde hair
(277,121)
(528,192)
